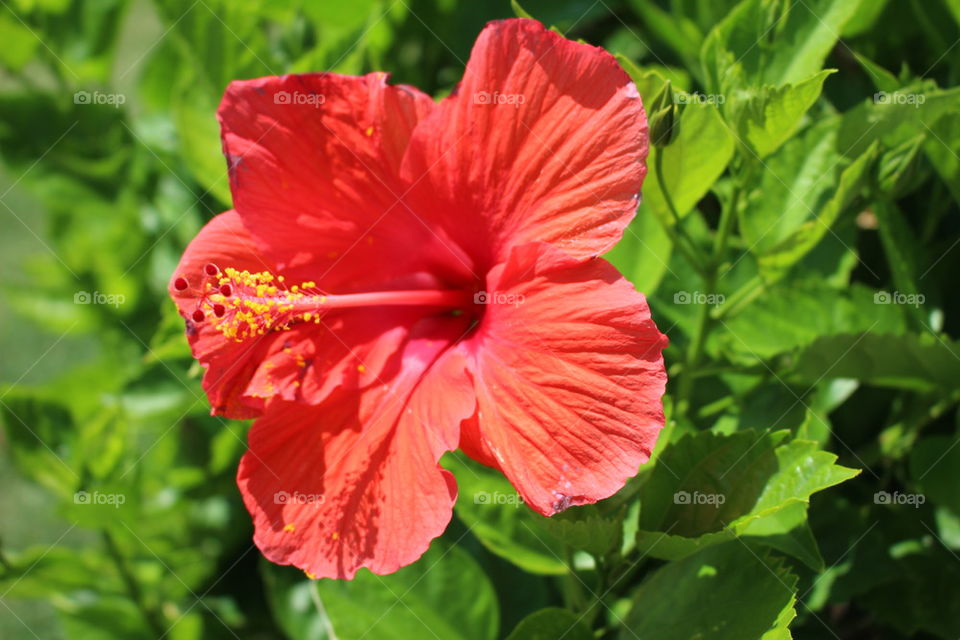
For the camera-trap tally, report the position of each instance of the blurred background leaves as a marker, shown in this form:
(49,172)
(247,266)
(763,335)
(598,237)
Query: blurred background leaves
(797,242)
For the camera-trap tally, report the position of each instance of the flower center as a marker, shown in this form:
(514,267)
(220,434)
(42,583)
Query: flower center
(241,304)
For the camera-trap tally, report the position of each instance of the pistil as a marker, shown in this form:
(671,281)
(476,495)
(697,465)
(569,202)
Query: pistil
(241,304)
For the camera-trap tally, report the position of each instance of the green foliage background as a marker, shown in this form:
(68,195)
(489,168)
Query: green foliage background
(797,242)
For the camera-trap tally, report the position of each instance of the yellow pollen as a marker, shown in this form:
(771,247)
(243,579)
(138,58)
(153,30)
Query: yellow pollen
(361,368)
(369,131)
(335,536)
(289,528)
(312,576)
(256,304)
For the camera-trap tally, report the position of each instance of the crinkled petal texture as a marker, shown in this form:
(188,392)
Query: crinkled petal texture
(545,140)
(568,375)
(355,482)
(314,163)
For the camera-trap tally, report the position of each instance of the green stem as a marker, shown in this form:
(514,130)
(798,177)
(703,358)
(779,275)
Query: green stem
(678,236)
(133,587)
(705,318)
(727,218)
(695,350)
(741,298)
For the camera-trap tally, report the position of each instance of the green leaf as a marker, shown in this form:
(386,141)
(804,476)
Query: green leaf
(902,250)
(941,148)
(778,259)
(773,43)
(796,183)
(41,434)
(797,315)
(489,505)
(444,594)
(895,117)
(882,79)
(935,469)
(551,624)
(643,254)
(709,488)
(587,528)
(103,618)
(767,117)
(726,592)
(19,44)
(922,363)
(694,160)
(864,19)
(44,571)
(673,29)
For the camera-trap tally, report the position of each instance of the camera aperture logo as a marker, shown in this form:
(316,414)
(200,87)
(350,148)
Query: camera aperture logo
(285,497)
(896,498)
(98,97)
(697,497)
(486,497)
(86,297)
(497,98)
(87,498)
(699,297)
(886,297)
(682,97)
(897,97)
(299,98)
(495,297)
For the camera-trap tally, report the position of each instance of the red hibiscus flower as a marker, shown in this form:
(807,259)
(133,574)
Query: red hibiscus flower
(400,278)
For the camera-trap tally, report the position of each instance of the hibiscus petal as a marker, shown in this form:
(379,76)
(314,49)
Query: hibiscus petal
(313,162)
(349,349)
(229,364)
(544,140)
(355,482)
(569,376)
